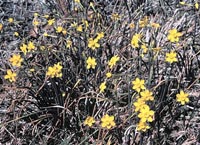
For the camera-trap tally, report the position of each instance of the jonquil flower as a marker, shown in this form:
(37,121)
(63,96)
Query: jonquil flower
(1,26)
(182,97)
(102,87)
(91,63)
(147,95)
(155,25)
(69,43)
(115,17)
(36,22)
(139,104)
(23,48)
(64,31)
(45,34)
(143,22)
(16,34)
(171,57)
(196,5)
(108,75)
(10,20)
(135,40)
(146,114)
(77,1)
(138,85)
(89,121)
(93,43)
(51,21)
(16,60)
(100,35)
(30,46)
(79,28)
(59,29)
(173,35)
(144,48)
(113,61)
(46,16)
(182,3)
(107,121)
(142,126)
(55,71)
(11,76)
(131,25)
(35,14)
(85,22)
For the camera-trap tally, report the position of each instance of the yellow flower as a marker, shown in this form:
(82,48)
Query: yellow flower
(144,47)
(32,70)
(69,43)
(147,95)
(131,25)
(93,43)
(64,31)
(135,40)
(16,34)
(155,25)
(35,22)
(79,28)
(59,29)
(102,87)
(45,34)
(182,3)
(142,126)
(113,61)
(74,24)
(11,76)
(91,4)
(58,68)
(91,63)
(171,57)
(146,114)
(85,23)
(139,104)
(174,35)
(46,16)
(51,72)
(30,46)
(100,35)
(138,85)
(182,97)
(196,5)
(89,121)
(1,26)
(108,75)
(16,60)
(143,22)
(107,121)
(51,21)
(77,1)
(35,14)
(23,48)
(10,20)
(42,47)
(55,71)
(115,17)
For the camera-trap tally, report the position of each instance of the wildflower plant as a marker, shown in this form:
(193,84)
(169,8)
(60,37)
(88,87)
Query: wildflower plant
(107,121)
(89,121)
(11,76)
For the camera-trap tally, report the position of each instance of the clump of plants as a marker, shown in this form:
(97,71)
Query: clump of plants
(100,72)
